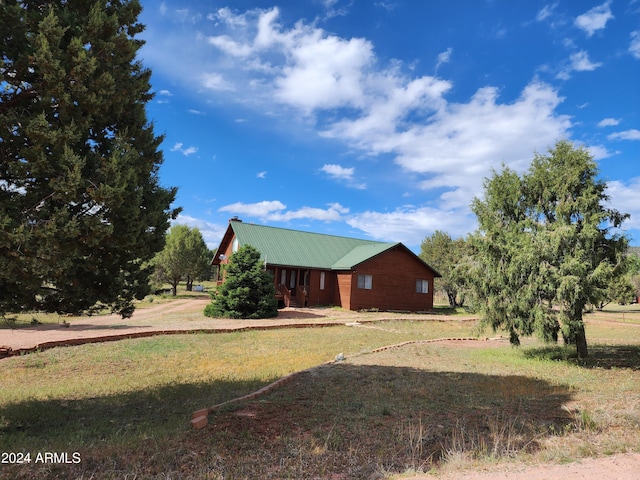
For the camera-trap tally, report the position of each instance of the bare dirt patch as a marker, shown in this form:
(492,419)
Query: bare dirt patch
(617,467)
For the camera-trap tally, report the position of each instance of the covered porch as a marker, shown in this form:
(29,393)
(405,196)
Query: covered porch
(291,284)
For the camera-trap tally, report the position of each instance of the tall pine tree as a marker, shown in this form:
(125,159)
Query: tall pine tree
(81,208)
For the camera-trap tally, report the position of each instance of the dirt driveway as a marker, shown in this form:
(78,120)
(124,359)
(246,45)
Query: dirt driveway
(617,467)
(185,315)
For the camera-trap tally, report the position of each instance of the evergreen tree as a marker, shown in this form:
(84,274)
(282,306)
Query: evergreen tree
(544,247)
(81,208)
(184,256)
(248,290)
(443,253)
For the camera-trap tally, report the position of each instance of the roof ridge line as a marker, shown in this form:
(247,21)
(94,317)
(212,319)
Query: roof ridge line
(315,233)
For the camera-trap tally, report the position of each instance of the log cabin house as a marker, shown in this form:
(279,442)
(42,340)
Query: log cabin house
(312,269)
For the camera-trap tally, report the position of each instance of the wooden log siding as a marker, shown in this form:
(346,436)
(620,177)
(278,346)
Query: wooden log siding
(394,274)
(316,295)
(343,289)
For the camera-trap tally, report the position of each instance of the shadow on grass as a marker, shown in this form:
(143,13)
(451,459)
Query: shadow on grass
(124,432)
(356,421)
(447,310)
(600,356)
(347,421)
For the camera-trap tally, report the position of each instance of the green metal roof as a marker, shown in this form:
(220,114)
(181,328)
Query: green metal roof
(361,253)
(281,246)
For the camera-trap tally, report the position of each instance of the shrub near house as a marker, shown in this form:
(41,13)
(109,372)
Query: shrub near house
(248,291)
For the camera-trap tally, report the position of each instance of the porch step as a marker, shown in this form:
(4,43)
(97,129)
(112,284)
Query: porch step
(294,302)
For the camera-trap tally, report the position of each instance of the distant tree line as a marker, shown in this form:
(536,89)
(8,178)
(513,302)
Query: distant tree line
(185,257)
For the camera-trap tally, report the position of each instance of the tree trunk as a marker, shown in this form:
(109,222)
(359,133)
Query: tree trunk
(575,334)
(174,288)
(581,341)
(189,283)
(452,299)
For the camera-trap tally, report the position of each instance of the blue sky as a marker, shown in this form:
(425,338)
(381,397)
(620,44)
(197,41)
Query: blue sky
(380,119)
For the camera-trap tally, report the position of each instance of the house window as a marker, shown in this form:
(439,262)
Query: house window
(365,281)
(292,282)
(322,280)
(234,245)
(422,286)
(283,277)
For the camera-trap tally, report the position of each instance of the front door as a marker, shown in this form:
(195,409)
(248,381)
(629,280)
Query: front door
(292,283)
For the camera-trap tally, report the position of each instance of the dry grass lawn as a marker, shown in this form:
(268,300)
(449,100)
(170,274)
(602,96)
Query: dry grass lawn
(423,407)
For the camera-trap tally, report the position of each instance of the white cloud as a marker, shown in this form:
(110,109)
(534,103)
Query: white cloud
(319,70)
(331,11)
(275,211)
(189,151)
(459,143)
(598,151)
(336,171)
(384,118)
(453,145)
(410,224)
(632,134)
(330,214)
(262,209)
(262,174)
(546,12)
(227,45)
(185,151)
(324,73)
(444,57)
(624,198)
(608,122)
(166,93)
(580,62)
(215,81)
(595,19)
(226,16)
(341,173)
(634,46)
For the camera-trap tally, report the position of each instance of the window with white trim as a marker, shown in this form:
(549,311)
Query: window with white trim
(422,286)
(322,278)
(365,281)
